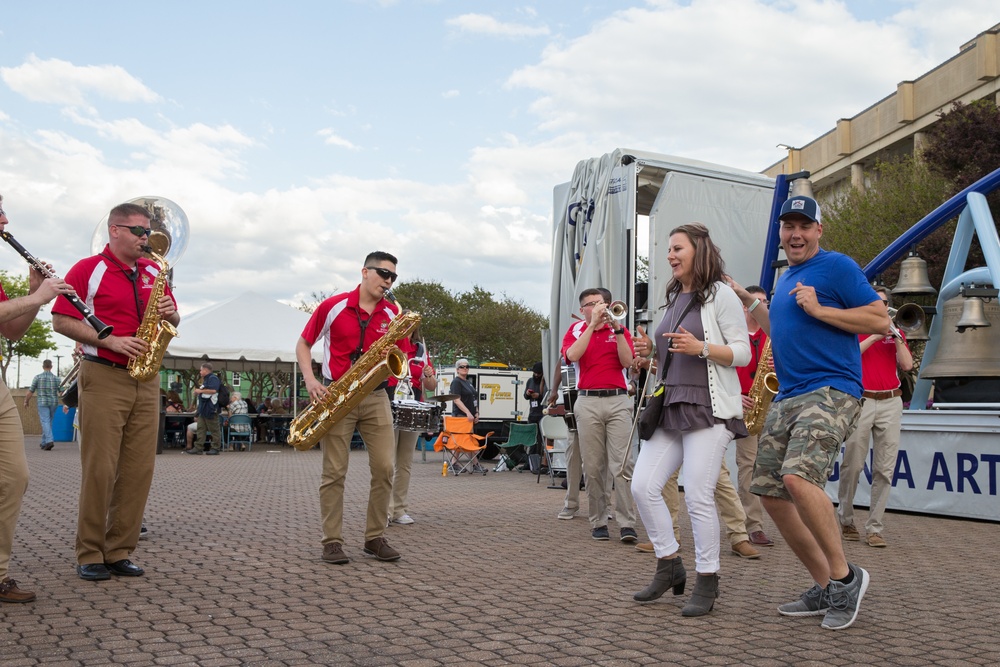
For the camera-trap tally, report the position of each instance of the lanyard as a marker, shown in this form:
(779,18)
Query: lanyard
(133,277)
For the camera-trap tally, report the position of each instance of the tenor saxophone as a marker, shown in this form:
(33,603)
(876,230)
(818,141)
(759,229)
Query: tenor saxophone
(154,330)
(381,360)
(762,391)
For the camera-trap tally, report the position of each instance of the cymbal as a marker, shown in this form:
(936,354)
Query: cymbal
(444,398)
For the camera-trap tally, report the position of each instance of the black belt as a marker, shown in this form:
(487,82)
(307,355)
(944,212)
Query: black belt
(603,393)
(104,362)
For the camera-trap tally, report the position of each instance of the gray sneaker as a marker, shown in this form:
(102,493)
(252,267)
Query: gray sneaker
(845,600)
(812,603)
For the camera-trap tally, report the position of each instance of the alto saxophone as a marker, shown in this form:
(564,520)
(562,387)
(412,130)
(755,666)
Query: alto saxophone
(381,360)
(762,391)
(156,332)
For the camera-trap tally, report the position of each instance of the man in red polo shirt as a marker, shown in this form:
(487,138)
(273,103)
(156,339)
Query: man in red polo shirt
(880,419)
(16,315)
(119,416)
(603,352)
(349,323)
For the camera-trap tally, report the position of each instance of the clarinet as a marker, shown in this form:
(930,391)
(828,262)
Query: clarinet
(103,330)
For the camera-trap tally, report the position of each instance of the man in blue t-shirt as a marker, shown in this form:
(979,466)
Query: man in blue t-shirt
(208,411)
(820,305)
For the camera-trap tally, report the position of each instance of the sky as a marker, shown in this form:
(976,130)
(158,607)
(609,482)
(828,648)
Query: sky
(299,136)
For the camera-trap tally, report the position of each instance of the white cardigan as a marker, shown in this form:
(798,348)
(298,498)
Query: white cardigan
(724,323)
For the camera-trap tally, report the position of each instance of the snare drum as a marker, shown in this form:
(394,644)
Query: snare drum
(408,415)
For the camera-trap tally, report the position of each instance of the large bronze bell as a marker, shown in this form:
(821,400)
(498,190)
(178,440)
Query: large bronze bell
(913,278)
(976,352)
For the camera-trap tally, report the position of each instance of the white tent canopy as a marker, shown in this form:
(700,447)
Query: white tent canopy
(247,332)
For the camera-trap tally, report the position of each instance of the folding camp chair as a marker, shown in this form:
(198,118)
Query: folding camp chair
(556,434)
(521,438)
(240,431)
(460,445)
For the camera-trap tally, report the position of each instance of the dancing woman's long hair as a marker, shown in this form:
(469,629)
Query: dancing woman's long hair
(708,267)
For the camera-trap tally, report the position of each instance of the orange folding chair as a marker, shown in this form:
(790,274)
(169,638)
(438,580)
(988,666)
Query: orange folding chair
(461,446)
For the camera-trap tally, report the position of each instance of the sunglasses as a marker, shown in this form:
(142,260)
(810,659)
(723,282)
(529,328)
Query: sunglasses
(461,367)
(384,274)
(138,230)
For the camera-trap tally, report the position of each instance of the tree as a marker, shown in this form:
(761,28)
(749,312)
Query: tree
(38,337)
(964,145)
(901,192)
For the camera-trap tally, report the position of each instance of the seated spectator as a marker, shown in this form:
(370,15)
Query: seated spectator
(174,403)
(263,423)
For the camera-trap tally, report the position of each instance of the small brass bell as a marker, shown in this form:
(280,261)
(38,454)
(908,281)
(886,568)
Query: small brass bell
(973,315)
(913,278)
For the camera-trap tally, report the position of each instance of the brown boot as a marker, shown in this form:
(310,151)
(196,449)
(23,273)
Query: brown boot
(706,589)
(9,592)
(669,574)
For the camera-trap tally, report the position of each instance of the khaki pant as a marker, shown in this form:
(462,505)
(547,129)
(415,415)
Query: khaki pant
(746,454)
(605,425)
(373,419)
(406,444)
(726,500)
(13,474)
(119,424)
(879,423)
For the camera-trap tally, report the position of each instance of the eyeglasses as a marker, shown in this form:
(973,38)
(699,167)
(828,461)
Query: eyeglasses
(2,213)
(138,230)
(592,304)
(461,367)
(384,274)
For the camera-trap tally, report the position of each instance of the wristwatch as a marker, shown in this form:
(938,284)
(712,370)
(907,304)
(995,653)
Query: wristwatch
(704,352)
(619,332)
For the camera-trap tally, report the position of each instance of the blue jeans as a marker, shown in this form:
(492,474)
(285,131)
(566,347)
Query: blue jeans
(46,413)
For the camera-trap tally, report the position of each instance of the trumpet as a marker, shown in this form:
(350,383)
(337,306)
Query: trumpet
(908,318)
(617,311)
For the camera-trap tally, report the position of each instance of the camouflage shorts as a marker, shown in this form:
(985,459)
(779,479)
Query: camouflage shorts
(802,436)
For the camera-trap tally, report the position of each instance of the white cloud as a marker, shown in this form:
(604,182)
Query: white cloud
(487,25)
(449,94)
(60,82)
(334,139)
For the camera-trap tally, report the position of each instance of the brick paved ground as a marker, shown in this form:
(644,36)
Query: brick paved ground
(488,576)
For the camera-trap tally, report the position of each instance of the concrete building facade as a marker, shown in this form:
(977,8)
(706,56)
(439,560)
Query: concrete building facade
(897,124)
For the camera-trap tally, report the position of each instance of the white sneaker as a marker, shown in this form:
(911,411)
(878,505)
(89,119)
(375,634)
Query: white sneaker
(566,514)
(143,532)
(404,520)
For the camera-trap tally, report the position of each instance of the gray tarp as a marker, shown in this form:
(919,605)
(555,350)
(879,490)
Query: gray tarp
(595,214)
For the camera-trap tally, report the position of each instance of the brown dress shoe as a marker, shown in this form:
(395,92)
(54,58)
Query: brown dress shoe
(380,548)
(645,547)
(9,592)
(876,540)
(334,553)
(758,538)
(745,550)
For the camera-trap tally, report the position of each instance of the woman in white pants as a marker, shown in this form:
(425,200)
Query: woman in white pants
(701,339)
